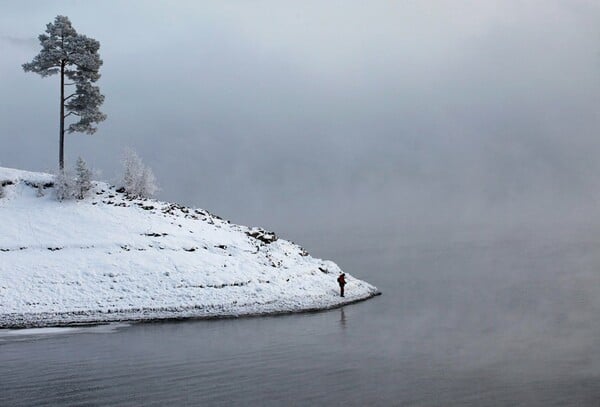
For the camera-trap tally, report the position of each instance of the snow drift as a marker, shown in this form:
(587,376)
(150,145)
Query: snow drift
(113,258)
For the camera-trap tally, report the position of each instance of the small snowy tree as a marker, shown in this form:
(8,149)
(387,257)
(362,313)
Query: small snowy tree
(1,191)
(83,179)
(138,179)
(75,57)
(63,185)
(147,186)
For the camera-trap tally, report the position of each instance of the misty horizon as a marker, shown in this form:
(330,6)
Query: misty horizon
(308,119)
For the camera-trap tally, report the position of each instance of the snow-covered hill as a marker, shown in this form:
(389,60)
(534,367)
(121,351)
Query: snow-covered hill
(111,258)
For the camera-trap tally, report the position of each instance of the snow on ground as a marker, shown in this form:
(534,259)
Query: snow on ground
(32,332)
(111,258)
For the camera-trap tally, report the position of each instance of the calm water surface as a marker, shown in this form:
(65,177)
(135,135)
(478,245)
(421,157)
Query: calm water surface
(471,323)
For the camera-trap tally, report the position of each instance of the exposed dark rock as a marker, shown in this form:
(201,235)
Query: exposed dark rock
(262,235)
(153,234)
(32,184)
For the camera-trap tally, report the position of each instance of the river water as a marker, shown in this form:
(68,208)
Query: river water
(498,322)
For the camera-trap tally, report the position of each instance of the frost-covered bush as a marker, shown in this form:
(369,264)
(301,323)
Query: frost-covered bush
(69,186)
(83,179)
(64,187)
(1,191)
(138,179)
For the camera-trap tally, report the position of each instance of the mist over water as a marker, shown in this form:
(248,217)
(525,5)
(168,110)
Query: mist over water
(446,153)
(310,118)
(503,322)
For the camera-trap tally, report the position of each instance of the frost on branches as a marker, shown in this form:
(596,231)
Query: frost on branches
(83,179)
(138,179)
(75,57)
(68,186)
(63,186)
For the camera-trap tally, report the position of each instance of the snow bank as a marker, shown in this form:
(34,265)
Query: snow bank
(112,258)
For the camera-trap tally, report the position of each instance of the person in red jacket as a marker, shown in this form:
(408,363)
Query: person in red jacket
(342,282)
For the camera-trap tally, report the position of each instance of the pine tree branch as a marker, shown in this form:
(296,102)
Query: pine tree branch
(69,97)
(71,113)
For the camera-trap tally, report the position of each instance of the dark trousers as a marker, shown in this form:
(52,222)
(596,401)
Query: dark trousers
(341,290)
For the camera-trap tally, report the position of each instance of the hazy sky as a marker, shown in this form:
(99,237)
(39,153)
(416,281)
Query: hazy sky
(310,116)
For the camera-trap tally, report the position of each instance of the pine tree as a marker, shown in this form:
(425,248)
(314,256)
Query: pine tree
(75,57)
(83,179)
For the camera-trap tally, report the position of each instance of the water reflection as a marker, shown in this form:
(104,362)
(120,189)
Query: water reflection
(502,324)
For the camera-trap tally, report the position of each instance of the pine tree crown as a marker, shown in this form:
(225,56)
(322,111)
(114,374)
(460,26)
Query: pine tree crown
(77,54)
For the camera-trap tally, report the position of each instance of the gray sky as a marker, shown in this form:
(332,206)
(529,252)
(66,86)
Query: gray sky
(307,117)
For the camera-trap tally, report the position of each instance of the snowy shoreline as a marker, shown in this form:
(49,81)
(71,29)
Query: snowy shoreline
(111,258)
(94,318)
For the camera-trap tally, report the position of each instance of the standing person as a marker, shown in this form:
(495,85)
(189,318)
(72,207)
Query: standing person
(342,282)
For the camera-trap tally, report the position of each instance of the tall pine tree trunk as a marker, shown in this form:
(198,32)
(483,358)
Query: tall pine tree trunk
(61,152)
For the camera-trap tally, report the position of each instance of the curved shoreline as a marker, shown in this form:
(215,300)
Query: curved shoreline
(148,315)
(116,258)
